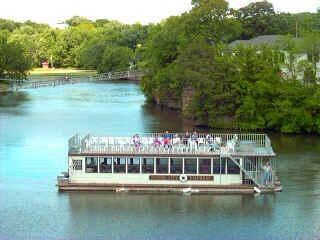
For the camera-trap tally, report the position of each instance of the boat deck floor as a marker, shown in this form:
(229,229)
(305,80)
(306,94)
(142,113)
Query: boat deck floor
(156,188)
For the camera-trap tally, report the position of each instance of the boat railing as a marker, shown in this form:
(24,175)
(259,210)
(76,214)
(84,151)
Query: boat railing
(178,143)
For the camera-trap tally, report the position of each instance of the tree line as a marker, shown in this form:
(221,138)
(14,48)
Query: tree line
(102,44)
(190,65)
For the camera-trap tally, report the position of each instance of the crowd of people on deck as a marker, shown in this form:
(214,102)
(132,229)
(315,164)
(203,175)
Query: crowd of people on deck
(192,139)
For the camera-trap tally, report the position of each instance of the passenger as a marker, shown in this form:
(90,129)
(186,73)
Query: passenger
(157,142)
(209,139)
(264,174)
(194,137)
(176,139)
(167,135)
(167,140)
(210,142)
(268,173)
(136,141)
(186,138)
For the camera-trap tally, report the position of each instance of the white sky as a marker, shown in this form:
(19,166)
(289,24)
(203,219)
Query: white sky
(127,11)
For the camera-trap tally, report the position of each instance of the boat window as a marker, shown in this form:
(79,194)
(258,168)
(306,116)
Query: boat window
(91,164)
(205,166)
(176,165)
(106,165)
(251,163)
(190,165)
(148,165)
(133,165)
(77,164)
(162,165)
(216,166)
(119,164)
(232,167)
(223,165)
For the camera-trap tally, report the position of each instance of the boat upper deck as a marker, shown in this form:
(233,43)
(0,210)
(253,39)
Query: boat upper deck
(173,144)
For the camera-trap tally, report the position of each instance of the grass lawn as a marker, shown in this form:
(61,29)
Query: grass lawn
(61,71)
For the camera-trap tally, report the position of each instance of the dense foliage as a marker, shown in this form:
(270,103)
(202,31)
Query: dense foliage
(102,44)
(13,60)
(193,68)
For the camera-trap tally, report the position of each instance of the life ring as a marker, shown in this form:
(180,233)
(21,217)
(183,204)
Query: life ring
(183,178)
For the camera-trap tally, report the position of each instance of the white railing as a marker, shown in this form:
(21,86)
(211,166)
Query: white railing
(25,84)
(131,74)
(174,143)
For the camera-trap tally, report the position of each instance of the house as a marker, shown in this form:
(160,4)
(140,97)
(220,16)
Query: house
(258,41)
(45,65)
(295,61)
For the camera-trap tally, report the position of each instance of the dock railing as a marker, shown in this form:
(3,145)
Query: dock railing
(174,143)
(133,75)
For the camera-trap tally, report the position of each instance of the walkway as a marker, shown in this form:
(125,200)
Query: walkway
(133,75)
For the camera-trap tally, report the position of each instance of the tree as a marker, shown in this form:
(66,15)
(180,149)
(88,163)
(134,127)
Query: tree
(8,25)
(257,19)
(70,42)
(91,51)
(311,46)
(77,20)
(292,49)
(115,58)
(14,62)
(214,20)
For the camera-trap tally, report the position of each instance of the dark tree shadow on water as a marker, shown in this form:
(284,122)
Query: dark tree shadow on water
(9,101)
(168,119)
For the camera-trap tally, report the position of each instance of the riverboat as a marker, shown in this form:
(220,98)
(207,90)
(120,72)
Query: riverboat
(171,162)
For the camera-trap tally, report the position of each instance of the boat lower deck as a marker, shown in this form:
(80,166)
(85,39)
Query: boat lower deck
(164,188)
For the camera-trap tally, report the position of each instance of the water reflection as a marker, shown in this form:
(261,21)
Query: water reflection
(13,99)
(164,216)
(170,204)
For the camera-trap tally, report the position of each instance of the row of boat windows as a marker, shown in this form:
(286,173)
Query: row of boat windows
(160,165)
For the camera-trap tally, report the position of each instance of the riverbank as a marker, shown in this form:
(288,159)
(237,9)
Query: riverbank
(61,71)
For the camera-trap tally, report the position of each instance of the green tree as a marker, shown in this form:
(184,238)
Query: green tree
(77,20)
(257,19)
(14,62)
(214,20)
(115,58)
(311,46)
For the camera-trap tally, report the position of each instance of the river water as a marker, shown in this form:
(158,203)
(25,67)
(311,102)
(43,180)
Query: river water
(35,126)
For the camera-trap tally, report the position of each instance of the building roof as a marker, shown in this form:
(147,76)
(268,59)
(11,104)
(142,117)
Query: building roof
(260,40)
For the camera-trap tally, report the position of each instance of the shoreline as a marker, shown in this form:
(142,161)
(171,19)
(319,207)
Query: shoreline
(201,127)
(60,71)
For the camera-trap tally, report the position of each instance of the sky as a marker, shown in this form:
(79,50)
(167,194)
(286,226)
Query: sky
(127,11)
